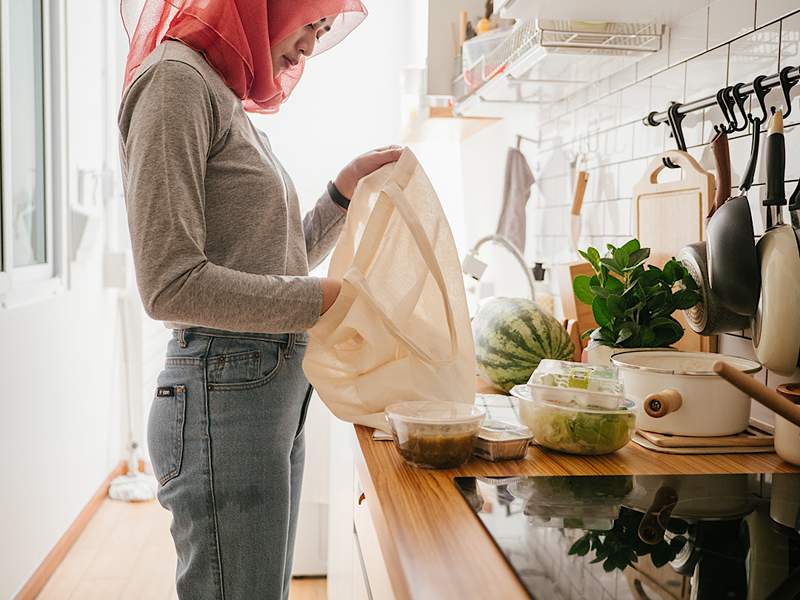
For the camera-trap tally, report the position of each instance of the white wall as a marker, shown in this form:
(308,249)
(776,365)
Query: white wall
(62,427)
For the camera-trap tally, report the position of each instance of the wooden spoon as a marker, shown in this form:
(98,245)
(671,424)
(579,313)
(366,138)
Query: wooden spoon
(759,392)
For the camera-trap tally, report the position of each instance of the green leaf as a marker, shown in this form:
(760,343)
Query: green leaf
(594,262)
(582,288)
(673,271)
(621,257)
(600,311)
(600,291)
(638,258)
(611,265)
(616,305)
(648,337)
(632,246)
(614,285)
(625,333)
(588,333)
(685,299)
(651,276)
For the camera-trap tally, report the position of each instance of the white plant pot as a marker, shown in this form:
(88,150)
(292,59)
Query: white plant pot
(600,355)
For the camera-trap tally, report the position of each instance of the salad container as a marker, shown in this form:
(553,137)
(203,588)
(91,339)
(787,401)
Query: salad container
(576,384)
(576,429)
(434,435)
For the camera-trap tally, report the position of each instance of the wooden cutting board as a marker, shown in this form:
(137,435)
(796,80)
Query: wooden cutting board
(749,437)
(671,214)
(645,443)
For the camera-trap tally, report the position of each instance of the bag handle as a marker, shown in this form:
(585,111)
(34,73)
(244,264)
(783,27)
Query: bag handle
(395,195)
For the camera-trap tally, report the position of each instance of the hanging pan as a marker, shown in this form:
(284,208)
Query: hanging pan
(776,324)
(733,267)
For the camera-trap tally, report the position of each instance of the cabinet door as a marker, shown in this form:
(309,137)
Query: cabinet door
(374,565)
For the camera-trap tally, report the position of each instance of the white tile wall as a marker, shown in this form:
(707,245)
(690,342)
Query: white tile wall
(606,120)
(689,36)
(728,19)
(770,10)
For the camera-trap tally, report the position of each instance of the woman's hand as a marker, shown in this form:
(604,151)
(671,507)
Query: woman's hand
(363,165)
(330,291)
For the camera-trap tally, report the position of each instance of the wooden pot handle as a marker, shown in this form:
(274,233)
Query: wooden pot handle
(654,522)
(660,404)
(759,392)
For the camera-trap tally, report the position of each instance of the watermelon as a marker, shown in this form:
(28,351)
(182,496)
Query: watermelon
(512,335)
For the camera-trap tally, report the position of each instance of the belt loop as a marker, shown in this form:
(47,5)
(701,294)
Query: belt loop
(182,338)
(290,346)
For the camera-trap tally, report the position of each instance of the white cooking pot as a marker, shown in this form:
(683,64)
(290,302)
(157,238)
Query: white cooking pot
(678,393)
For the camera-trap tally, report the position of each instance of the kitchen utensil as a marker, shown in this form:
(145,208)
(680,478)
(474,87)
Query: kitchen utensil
(574,429)
(679,392)
(570,305)
(671,215)
(787,433)
(722,162)
(749,437)
(784,404)
(776,324)
(577,205)
(434,434)
(709,316)
(734,272)
(641,440)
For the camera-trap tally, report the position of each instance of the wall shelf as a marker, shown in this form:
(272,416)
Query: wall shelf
(542,61)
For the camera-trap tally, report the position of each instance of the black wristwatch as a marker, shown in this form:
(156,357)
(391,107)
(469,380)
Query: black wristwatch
(337,196)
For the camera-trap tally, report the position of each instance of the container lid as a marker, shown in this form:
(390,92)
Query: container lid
(523,392)
(582,384)
(669,362)
(435,412)
(494,430)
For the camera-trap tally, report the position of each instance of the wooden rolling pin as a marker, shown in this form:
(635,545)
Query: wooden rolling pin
(759,392)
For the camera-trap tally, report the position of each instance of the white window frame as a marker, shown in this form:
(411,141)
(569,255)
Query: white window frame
(24,285)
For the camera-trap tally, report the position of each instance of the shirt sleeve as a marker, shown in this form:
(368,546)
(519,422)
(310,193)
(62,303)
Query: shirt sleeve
(167,129)
(322,226)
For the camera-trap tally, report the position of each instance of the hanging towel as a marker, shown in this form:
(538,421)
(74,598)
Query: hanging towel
(516,191)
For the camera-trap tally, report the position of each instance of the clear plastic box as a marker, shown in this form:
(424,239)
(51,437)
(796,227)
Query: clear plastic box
(576,384)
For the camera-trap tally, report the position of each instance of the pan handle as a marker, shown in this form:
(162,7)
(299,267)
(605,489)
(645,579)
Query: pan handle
(759,392)
(660,404)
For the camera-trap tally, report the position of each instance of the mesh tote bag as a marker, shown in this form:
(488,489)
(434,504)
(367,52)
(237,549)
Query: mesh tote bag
(399,330)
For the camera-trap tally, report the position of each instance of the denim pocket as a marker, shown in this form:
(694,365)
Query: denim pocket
(165,432)
(240,374)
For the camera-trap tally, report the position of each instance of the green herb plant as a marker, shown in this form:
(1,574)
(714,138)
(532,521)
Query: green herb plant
(633,302)
(621,546)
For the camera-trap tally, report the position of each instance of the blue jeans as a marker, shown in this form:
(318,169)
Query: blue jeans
(225,436)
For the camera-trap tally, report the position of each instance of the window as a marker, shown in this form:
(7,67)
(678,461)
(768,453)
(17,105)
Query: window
(27,154)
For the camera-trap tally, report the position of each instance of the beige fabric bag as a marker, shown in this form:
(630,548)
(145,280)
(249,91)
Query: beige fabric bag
(400,329)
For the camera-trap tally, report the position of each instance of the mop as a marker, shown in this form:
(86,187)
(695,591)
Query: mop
(134,486)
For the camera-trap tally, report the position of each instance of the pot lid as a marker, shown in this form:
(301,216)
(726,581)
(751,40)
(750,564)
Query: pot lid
(680,363)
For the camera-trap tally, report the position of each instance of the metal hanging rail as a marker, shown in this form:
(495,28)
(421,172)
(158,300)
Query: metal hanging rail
(773,81)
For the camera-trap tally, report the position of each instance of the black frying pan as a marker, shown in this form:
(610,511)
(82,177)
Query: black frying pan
(709,316)
(734,269)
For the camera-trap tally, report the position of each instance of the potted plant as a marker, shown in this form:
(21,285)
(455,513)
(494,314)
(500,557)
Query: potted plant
(633,302)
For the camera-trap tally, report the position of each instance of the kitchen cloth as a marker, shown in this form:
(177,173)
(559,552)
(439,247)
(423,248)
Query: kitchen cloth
(399,330)
(516,191)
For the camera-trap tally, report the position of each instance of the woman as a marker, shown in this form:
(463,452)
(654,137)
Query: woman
(222,256)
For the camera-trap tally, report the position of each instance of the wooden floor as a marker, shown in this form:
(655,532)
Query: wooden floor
(126,553)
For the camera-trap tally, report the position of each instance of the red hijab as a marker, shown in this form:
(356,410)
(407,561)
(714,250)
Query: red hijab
(235,37)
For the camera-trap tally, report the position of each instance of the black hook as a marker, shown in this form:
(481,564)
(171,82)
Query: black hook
(674,118)
(739,99)
(761,93)
(787,84)
(723,107)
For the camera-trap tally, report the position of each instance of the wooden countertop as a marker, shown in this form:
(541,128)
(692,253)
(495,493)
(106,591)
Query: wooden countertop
(434,546)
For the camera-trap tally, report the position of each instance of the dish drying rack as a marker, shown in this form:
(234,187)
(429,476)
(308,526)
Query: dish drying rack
(531,41)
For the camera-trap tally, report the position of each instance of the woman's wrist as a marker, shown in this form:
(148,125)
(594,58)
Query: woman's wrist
(330,291)
(337,196)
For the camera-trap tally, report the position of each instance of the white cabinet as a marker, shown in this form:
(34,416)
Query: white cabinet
(356,568)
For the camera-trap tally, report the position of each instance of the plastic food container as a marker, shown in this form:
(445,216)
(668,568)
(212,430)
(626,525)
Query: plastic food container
(576,384)
(498,440)
(434,435)
(576,429)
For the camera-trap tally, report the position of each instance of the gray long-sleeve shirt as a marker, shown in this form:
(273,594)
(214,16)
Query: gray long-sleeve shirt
(214,218)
